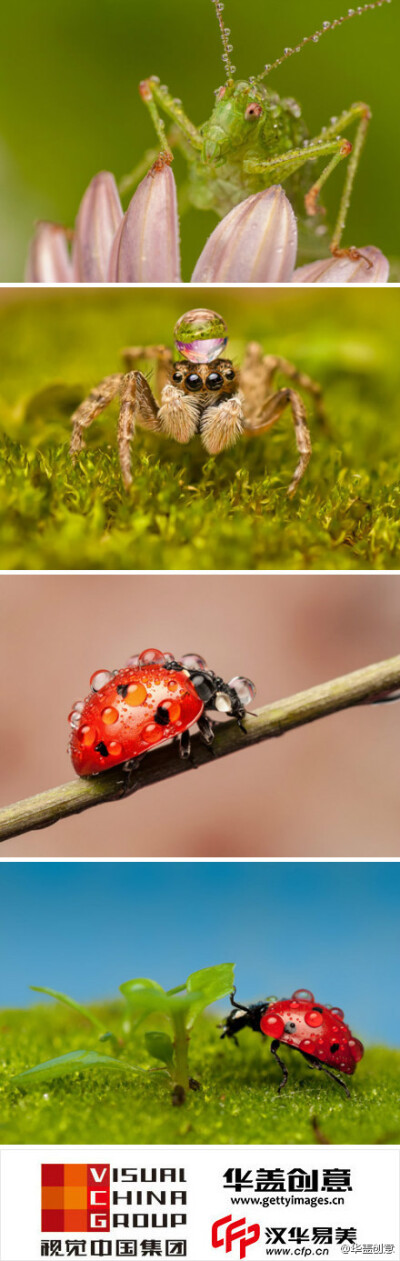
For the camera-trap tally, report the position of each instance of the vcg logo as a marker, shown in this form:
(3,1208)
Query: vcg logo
(75,1198)
(225,1232)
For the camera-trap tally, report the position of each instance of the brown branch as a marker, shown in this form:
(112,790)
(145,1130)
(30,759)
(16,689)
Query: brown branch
(46,808)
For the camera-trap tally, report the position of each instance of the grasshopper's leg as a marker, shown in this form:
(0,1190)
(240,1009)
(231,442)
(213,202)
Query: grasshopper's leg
(157,97)
(162,356)
(271,411)
(137,404)
(97,401)
(280,168)
(362,113)
(175,140)
(257,377)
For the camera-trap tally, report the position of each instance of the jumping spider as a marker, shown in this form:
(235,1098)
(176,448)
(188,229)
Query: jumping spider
(200,394)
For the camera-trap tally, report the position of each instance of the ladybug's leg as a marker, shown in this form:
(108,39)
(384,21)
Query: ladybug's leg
(339,1082)
(285,1074)
(184,745)
(129,772)
(97,400)
(137,404)
(314,1063)
(207,732)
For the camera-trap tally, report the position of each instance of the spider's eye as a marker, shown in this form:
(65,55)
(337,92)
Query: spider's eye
(177,376)
(253,111)
(193,381)
(230,375)
(214,381)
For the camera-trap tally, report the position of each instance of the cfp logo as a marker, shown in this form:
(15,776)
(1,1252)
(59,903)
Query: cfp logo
(75,1198)
(238,1230)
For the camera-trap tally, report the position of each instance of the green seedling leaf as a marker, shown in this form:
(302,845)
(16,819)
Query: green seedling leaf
(160,1046)
(206,986)
(145,996)
(70,1002)
(74,1061)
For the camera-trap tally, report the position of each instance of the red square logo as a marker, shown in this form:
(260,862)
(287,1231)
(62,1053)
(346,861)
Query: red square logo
(75,1198)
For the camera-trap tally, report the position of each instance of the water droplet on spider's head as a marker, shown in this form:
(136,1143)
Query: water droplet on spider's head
(201,335)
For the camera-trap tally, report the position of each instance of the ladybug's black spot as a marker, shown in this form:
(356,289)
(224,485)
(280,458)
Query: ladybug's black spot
(122,690)
(161,716)
(101,748)
(334,1047)
(318,1009)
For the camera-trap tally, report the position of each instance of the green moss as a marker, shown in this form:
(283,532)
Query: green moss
(186,511)
(237,1103)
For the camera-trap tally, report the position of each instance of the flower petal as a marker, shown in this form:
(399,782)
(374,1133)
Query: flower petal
(346,270)
(99,216)
(48,258)
(146,247)
(256,241)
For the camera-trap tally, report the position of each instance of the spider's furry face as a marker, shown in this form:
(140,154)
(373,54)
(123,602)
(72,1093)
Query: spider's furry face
(207,383)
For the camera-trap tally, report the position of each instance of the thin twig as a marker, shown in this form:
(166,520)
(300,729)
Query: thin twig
(273,720)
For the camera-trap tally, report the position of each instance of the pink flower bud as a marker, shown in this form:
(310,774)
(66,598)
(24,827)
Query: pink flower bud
(256,241)
(146,247)
(371,268)
(48,258)
(99,216)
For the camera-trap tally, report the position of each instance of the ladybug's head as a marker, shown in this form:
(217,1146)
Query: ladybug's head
(229,698)
(244,1017)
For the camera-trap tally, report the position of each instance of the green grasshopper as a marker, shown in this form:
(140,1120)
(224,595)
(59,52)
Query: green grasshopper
(254,139)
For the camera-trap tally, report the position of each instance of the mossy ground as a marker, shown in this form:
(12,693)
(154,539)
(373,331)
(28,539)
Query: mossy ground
(237,1103)
(186,511)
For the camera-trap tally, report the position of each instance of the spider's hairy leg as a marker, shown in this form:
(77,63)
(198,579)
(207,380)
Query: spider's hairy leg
(178,414)
(271,411)
(92,406)
(137,405)
(161,354)
(222,425)
(257,378)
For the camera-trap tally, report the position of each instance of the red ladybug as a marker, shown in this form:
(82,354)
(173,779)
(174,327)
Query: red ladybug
(317,1030)
(153,698)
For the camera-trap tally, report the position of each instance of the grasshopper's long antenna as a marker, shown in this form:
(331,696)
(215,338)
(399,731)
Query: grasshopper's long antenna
(227,48)
(313,39)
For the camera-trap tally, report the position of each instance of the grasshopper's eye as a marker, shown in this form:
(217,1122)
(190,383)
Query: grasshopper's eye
(193,381)
(253,111)
(177,376)
(214,381)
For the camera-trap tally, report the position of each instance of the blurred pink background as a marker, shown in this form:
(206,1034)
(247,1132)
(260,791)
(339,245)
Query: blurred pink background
(330,789)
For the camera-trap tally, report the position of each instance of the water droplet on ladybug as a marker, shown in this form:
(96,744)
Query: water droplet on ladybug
(151,656)
(337,1011)
(356,1048)
(109,714)
(75,719)
(87,735)
(273,1026)
(134,660)
(152,733)
(136,694)
(193,662)
(201,335)
(99,679)
(114,748)
(314,1019)
(303,996)
(174,710)
(244,689)
(79,706)
(307,1045)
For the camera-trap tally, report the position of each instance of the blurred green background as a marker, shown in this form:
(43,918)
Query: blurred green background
(69,105)
(186,510)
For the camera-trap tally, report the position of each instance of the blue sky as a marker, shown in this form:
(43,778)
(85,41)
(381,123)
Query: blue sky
(84,928)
